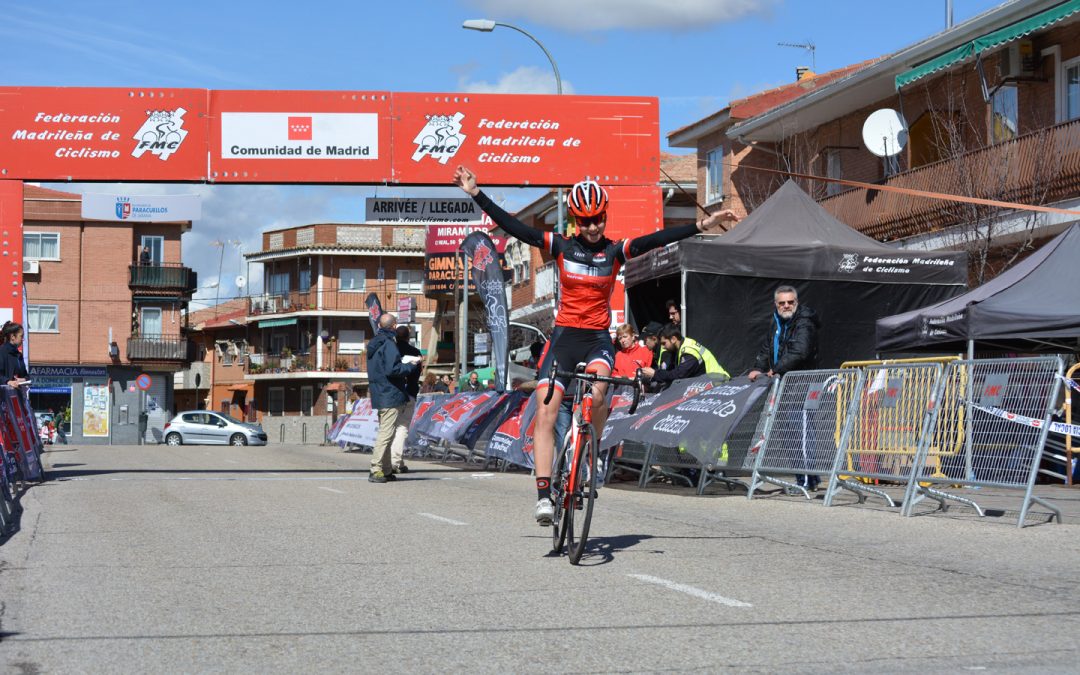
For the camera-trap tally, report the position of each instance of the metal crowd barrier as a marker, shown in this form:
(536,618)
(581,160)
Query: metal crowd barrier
(1003,409)
(733,462)
(808,424)
(1074,371)
(892,409)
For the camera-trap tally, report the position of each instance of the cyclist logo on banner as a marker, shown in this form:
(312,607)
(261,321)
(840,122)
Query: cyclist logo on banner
(161,133)
(440,138)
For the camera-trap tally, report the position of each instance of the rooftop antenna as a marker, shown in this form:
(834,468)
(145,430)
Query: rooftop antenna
(808,46)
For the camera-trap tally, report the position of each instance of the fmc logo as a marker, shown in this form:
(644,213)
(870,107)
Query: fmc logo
(440,138)
(161,133)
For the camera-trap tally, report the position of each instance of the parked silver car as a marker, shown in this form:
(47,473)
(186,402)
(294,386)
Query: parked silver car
(204,427)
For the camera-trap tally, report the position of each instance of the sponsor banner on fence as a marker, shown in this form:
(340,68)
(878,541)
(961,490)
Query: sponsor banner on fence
(362,427)
(300,136)
(78,133)
(19,432)
(488,278)
(696,415)
(512,440)
(142,208)
(513,139)
(455,414)
(426,406)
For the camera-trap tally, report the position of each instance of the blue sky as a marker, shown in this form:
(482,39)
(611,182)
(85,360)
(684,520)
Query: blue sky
(695,55)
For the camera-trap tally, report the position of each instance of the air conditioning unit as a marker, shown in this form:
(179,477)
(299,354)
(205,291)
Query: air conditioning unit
(31,267)
(1018,60)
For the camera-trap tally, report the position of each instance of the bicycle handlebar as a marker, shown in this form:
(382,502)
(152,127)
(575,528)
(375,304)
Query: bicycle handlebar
(580,374)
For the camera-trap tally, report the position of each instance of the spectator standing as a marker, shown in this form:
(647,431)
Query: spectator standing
(631,354)
(674,313)
(412,388)
(691,359)
(791,345)
(12,365)
(474,382)
(144,255)
(388,381)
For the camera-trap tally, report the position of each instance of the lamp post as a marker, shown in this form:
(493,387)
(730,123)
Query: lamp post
(486,26)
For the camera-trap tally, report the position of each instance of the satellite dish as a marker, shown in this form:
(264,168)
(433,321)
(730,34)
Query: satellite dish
(240,281)
(885,132)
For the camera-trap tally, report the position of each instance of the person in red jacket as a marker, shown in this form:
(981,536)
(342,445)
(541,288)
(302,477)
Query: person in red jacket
(631,355)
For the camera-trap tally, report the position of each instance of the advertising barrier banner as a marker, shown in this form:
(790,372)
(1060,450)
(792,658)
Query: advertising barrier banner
(362,427)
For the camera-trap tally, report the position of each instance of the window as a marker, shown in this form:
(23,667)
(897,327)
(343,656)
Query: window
(833,169)
(278,341)
(277,400)
(41,245)
(279,283)
(305,280)
(351,342)
(1070,89)
(352,281)
(1004,114)
(714,175)
(410,281)
(150,320)
(307,398)
(42,318)
(156,244)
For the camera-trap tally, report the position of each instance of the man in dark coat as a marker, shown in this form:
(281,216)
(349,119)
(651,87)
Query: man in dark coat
(387,383)
(792,345)
(412,388)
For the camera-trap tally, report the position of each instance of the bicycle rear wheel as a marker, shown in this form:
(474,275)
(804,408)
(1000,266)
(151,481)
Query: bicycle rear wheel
(559,476)
(582,495)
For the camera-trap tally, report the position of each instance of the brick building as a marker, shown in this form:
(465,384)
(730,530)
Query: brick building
(993,111)
(96,320)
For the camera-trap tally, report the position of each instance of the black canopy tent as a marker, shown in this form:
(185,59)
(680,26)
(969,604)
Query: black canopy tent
(726,282)
(1031,307)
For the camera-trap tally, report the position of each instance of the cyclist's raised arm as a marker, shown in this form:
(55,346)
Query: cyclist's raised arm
(648,242)
(466,180)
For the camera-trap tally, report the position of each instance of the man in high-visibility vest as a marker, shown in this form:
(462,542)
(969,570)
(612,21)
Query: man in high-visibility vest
(692,358)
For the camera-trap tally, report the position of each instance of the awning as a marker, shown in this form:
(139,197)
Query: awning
(990,41)
(273,323)
(239,387)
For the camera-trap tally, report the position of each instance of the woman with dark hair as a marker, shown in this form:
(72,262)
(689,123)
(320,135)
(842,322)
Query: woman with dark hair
(12,367)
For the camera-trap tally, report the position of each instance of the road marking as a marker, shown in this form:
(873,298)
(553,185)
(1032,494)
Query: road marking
(451,521)
(232,461)
(690,590)
(340,492)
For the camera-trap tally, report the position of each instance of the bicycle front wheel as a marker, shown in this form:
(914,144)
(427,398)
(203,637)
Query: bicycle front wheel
(560,475)
(582,494)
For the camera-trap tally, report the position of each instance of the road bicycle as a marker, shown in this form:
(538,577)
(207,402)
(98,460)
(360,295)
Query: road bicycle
(574,476)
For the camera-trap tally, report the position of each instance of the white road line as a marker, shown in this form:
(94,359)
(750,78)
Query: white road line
(232,461)
(451,521)
(340,492)
(690,590)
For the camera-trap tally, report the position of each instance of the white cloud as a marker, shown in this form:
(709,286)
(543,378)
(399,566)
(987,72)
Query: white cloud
(523,80)
(599,15)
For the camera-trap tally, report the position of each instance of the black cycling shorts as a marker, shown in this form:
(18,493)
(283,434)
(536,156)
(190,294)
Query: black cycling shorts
(571,346)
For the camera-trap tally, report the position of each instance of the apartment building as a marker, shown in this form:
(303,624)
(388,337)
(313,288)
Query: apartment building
(992,107)
(105,333)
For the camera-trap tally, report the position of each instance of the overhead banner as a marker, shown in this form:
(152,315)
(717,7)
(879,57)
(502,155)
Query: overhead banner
(487,276)
(80,133)
(141,208)
(423,210)
(300,137)
(513,139)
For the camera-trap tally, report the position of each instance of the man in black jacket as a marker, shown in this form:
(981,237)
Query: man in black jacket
(792,345)
(412,388)
(387,382)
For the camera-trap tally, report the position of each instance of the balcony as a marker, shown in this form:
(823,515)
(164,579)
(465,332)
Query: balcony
(1042,167)
(275,366)
(163,277)
(159,348)
(339,301)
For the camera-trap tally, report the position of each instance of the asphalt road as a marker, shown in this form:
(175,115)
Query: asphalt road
(285,559)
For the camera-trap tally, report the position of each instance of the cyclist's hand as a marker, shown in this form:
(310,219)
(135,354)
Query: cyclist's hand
(716,219)
(466,180)
(647,373)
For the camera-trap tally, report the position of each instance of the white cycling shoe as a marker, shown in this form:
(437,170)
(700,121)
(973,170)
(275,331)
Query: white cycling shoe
(545,512)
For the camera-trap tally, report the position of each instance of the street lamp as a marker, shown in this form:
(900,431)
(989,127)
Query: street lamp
(486,26)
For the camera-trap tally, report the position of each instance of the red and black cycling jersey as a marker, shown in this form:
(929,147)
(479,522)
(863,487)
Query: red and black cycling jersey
(587,271)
